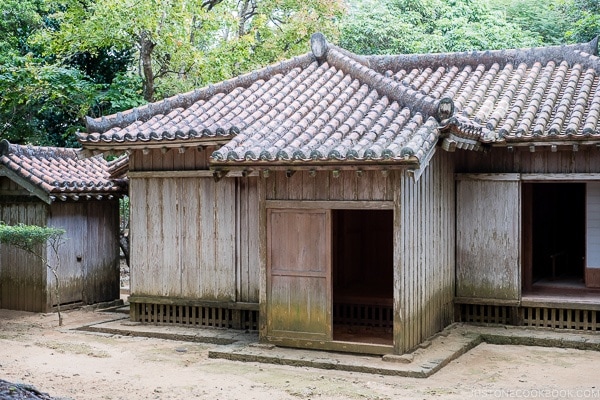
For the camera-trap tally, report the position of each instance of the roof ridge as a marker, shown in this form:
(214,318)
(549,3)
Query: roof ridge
(147,111)
(7,148)
(571,53)
(360,67)
(416,101)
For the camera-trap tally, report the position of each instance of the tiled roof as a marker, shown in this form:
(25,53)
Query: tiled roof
(59,172)
(331,106)
(511,96)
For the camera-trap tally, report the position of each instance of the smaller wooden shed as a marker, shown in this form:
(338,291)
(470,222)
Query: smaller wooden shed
(48,186)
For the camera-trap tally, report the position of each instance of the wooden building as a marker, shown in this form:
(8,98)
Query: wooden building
(48,186)
(363,203)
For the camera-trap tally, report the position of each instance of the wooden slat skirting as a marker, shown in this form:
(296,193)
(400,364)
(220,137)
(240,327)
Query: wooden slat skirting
(547,317)
(211,314)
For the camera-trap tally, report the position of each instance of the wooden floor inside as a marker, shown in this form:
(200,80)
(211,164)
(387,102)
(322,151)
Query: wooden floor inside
(363,334)
(569,290)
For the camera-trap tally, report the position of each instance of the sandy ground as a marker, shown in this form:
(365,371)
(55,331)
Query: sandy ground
(73,364)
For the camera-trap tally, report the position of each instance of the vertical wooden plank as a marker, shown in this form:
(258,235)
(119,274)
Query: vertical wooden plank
(309,184)
(155,237)
(191,240)
(281,185)
(138,236)
(322,185)
(225,239)
(170,268)
(481,245)
(262,234)
(294,184)
(253,241)
(179,158)
(364,185)
(168,159)
(335,186)
(208,236)
(349,185)
(71,218)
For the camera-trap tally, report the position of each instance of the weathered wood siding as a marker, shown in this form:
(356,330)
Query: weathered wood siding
(71,218)
(325,185)
(247,240)
(89,257)
(424,231)
(194,238)
(593,225)
(188,159)
(424,253)
(22,275)
(521,160)
(299,270)
(488,241)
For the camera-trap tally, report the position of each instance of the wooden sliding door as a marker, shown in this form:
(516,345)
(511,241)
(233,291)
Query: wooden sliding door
(299,274)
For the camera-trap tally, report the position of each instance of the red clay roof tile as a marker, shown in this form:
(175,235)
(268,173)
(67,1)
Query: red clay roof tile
(343,108)
(60,171)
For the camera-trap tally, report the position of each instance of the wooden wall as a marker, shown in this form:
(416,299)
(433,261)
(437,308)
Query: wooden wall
(425,245)
(424,231)
(184,159)
(22,275)
(521,160)
(370,185)
(194,238)
(488,238)
(89,257)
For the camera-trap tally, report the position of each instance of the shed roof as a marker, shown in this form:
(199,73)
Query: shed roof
(58,173)
(334,107)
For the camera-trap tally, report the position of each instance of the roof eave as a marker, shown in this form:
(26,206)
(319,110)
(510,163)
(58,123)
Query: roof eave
(29,186)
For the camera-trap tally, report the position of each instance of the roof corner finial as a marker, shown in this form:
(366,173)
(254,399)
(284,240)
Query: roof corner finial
(4,147)
(445,108)
(318,45)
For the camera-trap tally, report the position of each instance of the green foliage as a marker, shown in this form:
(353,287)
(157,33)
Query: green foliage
(42,103)
(584,16)
(421,26)
(180,45)
(123,93)
(542,18)
(28,237)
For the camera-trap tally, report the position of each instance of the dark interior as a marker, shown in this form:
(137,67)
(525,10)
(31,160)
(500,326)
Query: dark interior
(558,234)
(363,275)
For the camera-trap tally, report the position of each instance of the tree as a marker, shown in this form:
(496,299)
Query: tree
(542,18)
(32,239)
(421,26)
(43,99)
(181,44)
(584,16)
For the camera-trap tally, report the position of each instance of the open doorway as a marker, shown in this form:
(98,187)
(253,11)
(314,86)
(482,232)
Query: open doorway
(555,237)
(362,276)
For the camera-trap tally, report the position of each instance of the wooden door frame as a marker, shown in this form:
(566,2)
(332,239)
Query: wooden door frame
(307,274)
(265,205)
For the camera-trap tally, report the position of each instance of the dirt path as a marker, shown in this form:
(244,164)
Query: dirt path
(78,365)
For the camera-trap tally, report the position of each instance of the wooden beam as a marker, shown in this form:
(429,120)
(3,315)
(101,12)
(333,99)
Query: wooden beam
(30,187)
(331,205)
(480,301)
(487,177)
(204,173)
(581,177)
(192,302)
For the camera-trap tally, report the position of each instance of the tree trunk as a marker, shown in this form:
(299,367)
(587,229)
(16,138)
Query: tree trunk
(146,48)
